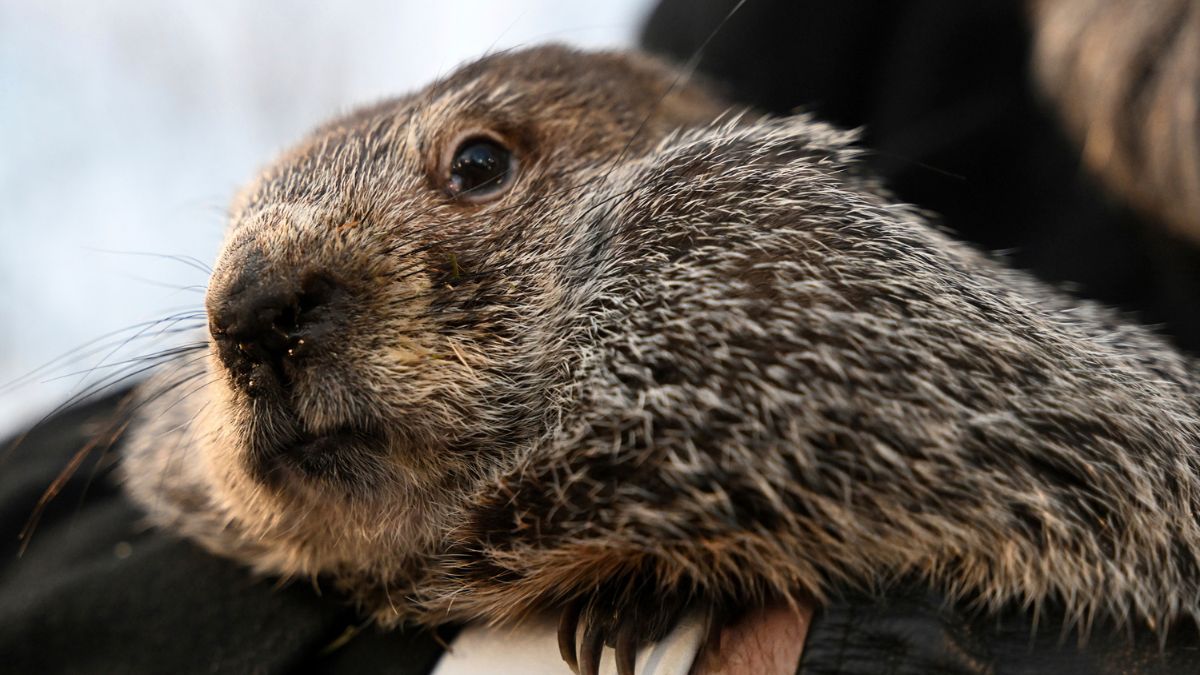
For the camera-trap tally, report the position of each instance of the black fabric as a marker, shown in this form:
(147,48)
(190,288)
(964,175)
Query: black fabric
(943,92)
(96,592)
(913,632)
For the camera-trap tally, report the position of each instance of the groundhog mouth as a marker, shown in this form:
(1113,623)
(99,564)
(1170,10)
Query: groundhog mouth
(347,458)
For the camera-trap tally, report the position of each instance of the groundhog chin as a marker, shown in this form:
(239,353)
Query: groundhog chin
(349,460)
(271,443)
(309,504)
(298,519)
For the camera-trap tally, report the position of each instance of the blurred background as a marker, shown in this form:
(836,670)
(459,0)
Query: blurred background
(126,127)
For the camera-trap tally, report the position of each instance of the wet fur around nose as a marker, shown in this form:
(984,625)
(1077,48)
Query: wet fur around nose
(686,356)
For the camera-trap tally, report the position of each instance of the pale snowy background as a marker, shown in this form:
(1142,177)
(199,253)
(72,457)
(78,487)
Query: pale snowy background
(127,125)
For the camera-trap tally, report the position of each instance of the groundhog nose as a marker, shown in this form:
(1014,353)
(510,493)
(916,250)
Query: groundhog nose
(265,328)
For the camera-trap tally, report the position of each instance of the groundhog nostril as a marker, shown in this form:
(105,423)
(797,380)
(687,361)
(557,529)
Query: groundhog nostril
(273,324)
(316,293)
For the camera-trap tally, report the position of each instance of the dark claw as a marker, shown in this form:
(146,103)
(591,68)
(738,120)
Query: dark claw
(627,643)
(624,613)
(714,620)
(568,624)
(590,649)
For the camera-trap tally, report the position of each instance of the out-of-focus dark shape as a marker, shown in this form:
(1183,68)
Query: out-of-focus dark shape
(1125,77)
(912,632)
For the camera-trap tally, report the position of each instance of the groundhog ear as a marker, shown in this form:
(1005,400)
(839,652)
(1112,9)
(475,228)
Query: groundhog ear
(689,104)
(733,155)
(795,138)
(732,169)
(675,98)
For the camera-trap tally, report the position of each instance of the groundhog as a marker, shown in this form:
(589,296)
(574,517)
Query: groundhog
(565,331)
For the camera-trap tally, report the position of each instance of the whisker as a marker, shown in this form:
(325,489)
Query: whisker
(164,354)
(122,419)
(614,199)
(108,382)
(170,322)
(184,433)
(131,369)
(190,261)
(532,200)
(95,345)
(685,74)
(61,480)
(190,288)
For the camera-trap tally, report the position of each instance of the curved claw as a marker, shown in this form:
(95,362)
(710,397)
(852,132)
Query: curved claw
(714,621)
(590,649)
(568,624)
(626,647)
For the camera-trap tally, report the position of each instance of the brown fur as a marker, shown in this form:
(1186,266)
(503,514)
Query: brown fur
(682,358)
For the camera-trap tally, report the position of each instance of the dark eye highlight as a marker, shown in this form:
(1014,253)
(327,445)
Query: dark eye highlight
(480,169)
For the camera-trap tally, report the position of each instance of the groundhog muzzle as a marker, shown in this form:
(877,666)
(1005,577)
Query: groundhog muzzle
(566,330)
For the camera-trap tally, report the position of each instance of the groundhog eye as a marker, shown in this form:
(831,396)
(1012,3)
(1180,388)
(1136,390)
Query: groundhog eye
(481,168)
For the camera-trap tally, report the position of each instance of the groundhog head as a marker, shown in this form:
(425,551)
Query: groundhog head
(380,316)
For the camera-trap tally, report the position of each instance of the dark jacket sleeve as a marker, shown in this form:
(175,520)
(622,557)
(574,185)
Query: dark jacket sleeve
(910,631)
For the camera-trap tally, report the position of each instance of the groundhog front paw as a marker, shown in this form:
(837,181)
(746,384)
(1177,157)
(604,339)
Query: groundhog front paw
(625,617)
